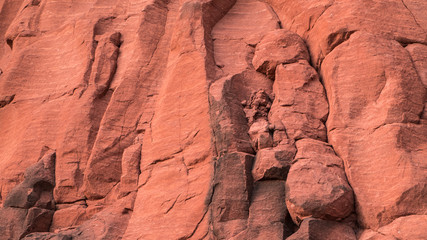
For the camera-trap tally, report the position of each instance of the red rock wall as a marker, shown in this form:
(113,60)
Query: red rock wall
(214,119)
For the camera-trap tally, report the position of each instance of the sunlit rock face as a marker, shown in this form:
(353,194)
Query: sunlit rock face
(213,119)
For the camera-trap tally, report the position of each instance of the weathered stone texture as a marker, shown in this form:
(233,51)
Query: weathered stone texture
(213,119)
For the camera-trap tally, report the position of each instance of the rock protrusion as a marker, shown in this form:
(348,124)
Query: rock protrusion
(105,63)
(376,99)
(278,47)
(317,185)
(110,223)
(260,135)
(69,215)
(406,227)
(273,163)
(418,54)
(300,107)
(267,213)
(256,111)
(25,23)
(5,100)
(36,189)
(130,169)
(37,220)
(318,229)
(240,99)
(240,29)
(232,193)
(30,205)
(229,123)
(258,106)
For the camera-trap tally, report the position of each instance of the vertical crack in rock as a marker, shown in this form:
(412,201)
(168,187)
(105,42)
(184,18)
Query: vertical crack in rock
(176,152)
(45,97)
(93,101)
(117,127)
(269,57)
(297,115)
(240,99)
(313,23)
(355,106)
(418,53)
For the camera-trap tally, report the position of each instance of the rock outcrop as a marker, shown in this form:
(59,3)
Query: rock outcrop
(213,119)
(29,206)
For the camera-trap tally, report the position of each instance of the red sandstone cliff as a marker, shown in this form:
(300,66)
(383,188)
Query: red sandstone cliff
(213,119)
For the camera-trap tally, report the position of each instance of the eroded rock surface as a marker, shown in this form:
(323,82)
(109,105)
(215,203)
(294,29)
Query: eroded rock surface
(213,119)
(317,185)
(312,228)
(29,207)
(383,134)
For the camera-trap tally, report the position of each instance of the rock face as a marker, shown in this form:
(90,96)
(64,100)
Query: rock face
(214,119)
(317,186)
(391,132)
(29,207)
(312,228)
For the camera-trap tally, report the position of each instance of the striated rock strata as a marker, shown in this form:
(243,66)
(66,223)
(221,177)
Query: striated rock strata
(213,119)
